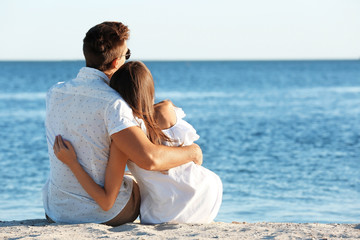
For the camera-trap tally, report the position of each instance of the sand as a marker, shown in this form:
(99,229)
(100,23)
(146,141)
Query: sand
(41,229)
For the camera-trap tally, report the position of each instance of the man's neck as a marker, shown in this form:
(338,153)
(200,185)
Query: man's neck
(109,73)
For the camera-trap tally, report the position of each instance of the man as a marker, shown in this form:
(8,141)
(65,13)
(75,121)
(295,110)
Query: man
(91,115)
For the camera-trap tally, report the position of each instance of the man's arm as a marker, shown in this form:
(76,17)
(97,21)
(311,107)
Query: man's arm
(133,142)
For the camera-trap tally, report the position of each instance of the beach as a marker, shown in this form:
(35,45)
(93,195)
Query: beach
(41,229)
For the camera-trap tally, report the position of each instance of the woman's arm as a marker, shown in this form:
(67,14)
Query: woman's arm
(114,174)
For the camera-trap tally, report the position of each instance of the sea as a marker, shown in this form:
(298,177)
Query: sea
(284,136)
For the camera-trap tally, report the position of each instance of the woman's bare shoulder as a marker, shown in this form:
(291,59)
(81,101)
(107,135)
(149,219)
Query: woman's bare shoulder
(165,114)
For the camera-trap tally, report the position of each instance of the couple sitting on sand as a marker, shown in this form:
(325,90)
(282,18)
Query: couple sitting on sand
(105,119)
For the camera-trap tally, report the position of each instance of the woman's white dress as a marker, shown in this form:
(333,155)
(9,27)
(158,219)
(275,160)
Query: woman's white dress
(186,194)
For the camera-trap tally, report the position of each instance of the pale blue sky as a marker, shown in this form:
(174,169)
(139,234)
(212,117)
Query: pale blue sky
(186,29)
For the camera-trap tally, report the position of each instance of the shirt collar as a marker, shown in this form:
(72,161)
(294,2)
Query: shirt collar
(87,72)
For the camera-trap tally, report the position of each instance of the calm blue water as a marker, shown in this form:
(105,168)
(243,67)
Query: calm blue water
(283,136)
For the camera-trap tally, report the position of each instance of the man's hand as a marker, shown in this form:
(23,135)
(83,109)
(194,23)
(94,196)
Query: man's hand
(199,158)
(136,146)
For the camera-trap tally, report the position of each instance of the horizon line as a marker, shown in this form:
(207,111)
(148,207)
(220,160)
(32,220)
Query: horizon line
(192,60)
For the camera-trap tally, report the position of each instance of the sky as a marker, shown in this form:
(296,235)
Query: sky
(186,29)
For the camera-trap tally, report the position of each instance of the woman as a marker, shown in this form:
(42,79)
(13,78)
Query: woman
(185,194)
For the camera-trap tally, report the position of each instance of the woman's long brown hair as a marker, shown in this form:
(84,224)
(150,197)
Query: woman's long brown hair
(134,82)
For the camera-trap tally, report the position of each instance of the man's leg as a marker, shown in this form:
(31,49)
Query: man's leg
(49,219)
(131,210)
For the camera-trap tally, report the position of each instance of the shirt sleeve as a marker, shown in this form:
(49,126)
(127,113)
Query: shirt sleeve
(119,116)
(182,133)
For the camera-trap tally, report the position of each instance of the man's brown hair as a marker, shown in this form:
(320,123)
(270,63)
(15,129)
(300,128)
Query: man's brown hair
(103,43)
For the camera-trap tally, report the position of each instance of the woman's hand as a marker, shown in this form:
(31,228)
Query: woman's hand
(64,151)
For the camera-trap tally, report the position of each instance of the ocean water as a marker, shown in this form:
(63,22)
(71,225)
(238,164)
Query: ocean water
(284,136)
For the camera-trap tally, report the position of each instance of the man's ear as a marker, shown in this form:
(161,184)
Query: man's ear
(116,63)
